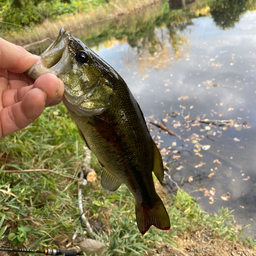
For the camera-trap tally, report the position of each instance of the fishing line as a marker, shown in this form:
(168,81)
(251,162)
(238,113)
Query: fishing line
(45,252)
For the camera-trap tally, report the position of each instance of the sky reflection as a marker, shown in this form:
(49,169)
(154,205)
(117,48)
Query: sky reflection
(211,76)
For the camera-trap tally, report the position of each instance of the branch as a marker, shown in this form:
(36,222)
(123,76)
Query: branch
(216,122)
(161,126)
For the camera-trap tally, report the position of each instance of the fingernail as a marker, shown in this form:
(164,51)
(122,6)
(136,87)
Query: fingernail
(45,96)
(58,91)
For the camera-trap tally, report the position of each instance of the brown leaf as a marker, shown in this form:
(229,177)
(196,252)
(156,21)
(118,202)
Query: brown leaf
(92,247)
(217,161)
(190,179)
(91,176)
(225,197)
(206,193)
(211,174)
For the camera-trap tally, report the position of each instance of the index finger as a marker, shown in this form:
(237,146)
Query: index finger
(14,58)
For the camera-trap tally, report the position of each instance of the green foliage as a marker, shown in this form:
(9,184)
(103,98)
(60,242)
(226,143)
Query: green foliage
(2,229)
(30,12)
(227,12)
(40,207)
(21,13)
(19,236)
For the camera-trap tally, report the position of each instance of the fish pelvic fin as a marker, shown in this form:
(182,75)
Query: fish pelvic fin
(156,216)
(109,182)
(158,164)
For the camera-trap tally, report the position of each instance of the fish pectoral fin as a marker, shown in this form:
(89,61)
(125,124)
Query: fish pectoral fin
(109,182)
(158,164)
(82,136)
(156,216)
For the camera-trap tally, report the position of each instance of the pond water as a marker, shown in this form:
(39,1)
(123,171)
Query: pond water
(185,66)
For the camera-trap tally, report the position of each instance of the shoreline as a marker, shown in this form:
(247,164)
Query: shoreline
(40,33)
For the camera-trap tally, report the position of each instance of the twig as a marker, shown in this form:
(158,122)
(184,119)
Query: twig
(37,42)
(165,129)
(88,171)
(81,211)
(40,170)
(170,177)
(83,182)
(216,122)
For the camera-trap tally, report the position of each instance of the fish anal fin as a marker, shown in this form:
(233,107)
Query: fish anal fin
(109,182)
(156,216)
(158,164)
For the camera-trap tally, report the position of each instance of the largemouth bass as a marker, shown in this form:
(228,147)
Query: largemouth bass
(110,122)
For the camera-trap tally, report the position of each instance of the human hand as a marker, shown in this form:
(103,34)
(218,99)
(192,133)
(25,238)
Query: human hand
(22,99)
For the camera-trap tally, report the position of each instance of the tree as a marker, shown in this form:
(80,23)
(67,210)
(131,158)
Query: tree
(226,13)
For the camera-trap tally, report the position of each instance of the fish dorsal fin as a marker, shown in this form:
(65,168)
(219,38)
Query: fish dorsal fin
(109,182)
(158,164)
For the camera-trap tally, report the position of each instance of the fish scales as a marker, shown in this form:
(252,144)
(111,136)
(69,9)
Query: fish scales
(111,123)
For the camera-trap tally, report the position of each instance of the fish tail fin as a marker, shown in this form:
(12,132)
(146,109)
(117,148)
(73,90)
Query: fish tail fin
(157,216)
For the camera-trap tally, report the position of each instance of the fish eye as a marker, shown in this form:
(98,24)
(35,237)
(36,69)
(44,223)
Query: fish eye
(82,57)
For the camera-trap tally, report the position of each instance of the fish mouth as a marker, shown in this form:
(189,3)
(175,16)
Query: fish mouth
(53,54)
(55,59)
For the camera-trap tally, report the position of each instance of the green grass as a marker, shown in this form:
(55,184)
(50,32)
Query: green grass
(39,208)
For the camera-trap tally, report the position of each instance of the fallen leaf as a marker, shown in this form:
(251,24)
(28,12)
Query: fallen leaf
(217,161)
(206,147)
(190,179)
(176,125)
(211,174)
(200,165)
(183,98)
(163,151)
(180,167)
(91,176)
(211,198)
(206,193)
(225,197)
(92,247)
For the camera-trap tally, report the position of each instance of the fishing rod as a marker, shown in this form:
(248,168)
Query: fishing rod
(45,252)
